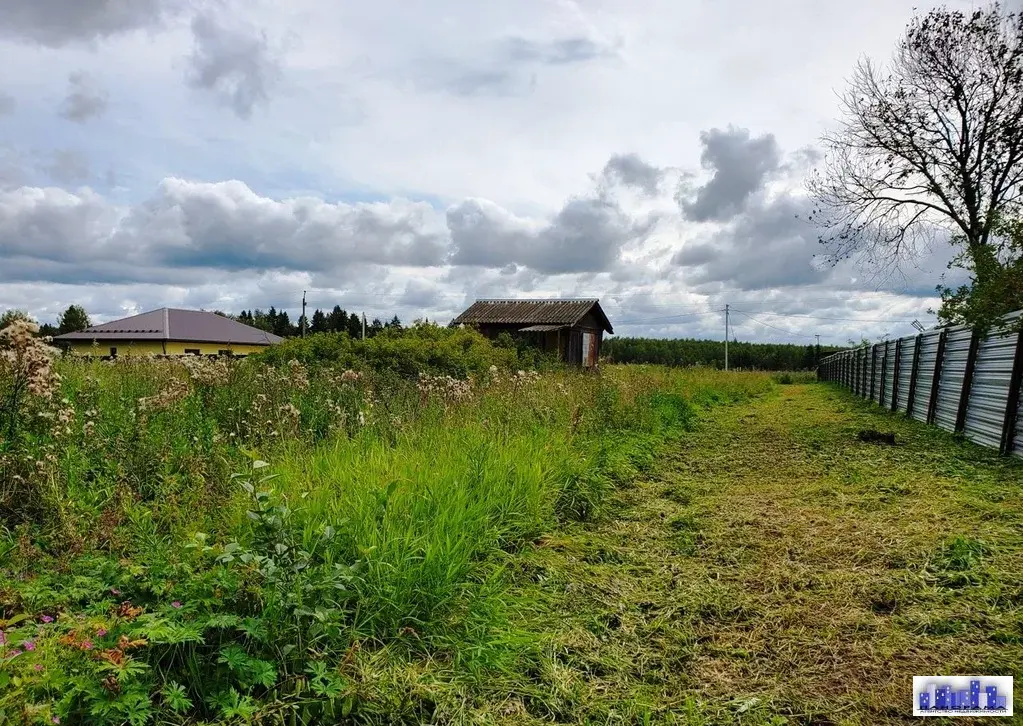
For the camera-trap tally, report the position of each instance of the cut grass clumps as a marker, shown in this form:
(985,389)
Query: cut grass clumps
(686,534)
(956,563)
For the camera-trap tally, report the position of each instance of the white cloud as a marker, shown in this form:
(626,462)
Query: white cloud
(420,154)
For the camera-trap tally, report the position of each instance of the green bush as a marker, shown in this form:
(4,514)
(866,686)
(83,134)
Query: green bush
(423,348)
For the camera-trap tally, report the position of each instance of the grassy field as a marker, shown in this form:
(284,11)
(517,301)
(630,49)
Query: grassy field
(230,542)
(774,569)
(284,542)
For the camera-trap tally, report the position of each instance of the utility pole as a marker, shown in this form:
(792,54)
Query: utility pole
(817,352)
(364,326)
(726,337)
(303,313)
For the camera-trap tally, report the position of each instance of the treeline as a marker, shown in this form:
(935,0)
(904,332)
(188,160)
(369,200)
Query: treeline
(688,351)
(337,320)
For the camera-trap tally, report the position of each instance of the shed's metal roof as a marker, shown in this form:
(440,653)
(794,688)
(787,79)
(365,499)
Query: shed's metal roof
(193,326)
(532,312)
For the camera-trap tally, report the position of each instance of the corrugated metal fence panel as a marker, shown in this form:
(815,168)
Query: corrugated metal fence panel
(953,371)
(874,372)
(888,351)
(905,371)
(925,374)
(985,413)
(860,356)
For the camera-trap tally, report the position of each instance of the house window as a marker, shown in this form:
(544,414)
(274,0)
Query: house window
(192,351)
(113,352)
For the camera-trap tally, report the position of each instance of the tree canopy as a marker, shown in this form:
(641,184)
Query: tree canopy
(929,146)
(72,320)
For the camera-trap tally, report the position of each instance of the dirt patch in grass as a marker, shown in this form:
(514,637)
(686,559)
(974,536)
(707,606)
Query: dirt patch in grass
(773,569)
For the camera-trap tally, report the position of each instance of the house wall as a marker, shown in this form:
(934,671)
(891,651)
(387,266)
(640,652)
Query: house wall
(568,342)
(157,347)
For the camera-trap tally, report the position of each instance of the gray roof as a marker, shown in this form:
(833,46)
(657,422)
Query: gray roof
(564,311)
(192,326)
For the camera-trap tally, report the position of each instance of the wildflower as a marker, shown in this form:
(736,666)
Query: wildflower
(101,632)
(176,604)
(38,666)
(115,591)
(15,653)
(86,645)
(3,638)
(47,619)
(55,719)
(29,645)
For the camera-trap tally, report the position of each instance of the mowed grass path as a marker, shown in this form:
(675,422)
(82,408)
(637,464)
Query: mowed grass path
(773,569)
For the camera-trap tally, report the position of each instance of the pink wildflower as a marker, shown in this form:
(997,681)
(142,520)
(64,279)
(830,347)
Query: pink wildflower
(176,604)
(38,666)
(87,645)
(46,619)
(55,719)
(29,645)
(101,632)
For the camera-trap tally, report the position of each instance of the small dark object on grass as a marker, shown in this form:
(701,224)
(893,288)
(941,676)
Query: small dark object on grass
(876,437)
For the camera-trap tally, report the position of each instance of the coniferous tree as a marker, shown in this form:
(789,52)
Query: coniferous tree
(337,321)
(72,320)
(355,326)
(318,322)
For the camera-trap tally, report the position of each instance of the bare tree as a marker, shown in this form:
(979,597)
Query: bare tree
(932,142)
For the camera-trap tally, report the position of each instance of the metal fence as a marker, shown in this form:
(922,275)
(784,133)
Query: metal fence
(952,377)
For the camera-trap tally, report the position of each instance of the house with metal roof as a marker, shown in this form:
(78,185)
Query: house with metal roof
(572,328)
(168,331)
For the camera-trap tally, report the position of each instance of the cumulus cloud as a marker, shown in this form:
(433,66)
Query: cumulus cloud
(586,235)
(84,99)
(770,245)
(740,165)
(58,22)
(228,226)
(40,226)
(632,171)
(237,64)
(52,234)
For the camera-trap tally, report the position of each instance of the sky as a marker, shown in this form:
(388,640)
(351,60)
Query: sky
(408,157)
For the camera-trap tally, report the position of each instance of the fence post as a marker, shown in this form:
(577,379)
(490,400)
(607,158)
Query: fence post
(873,369)
(895,374)
(1012,405)
(913,371)
(932,405)
(964,394)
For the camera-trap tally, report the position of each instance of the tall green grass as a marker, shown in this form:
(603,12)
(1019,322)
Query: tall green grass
(298,544)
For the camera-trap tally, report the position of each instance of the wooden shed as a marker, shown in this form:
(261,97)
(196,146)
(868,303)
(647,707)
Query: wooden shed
(573,328)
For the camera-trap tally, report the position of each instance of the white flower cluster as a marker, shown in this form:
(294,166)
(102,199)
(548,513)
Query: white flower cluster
(448,388)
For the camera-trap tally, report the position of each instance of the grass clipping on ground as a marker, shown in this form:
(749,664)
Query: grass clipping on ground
(774,568)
